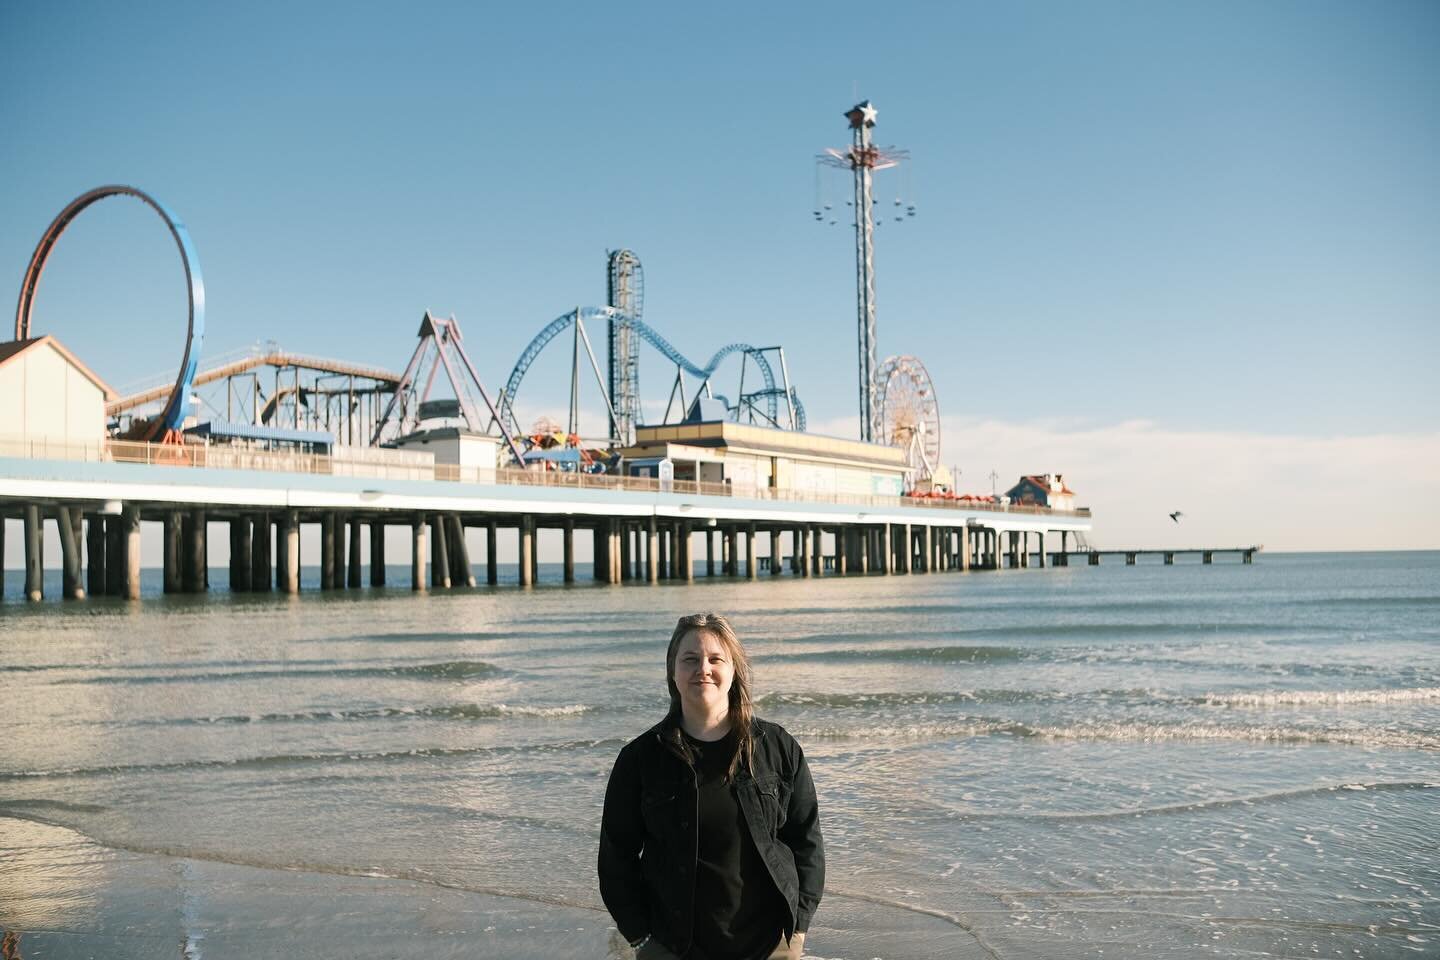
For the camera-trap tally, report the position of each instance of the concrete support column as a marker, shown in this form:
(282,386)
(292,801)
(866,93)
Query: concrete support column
(802,550)
(652,548)
(817,550)
(615,530)
(844,538)
(287,557)
(1169,558)
(527,550)
(569,559)
(34,560)
(342,551)
(70,587)
(627,554)
(418,550)
(352,571)
(1025,550)
(94,554)
(927,549)
(242,554)
(327,551)
(1206,557)
(171,552)
(709,551)
(439,555)
(377,553)
(1041,535)
(687,562)
(130,547)
(460,553)
(667,558)
(965,549)
(492,550)
(731,546)
(751,572)
(600,551)
(775,559)
(862,549)
(884,559)
(195,559)
(262,572)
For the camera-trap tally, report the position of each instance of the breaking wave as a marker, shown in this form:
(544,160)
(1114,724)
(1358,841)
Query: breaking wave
(449,670)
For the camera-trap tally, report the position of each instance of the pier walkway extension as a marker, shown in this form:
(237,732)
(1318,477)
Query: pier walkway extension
(98,497)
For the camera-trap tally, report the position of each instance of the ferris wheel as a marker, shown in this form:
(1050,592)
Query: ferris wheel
(909,413)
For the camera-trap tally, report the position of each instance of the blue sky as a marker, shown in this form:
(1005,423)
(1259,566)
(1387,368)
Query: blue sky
(1212,220)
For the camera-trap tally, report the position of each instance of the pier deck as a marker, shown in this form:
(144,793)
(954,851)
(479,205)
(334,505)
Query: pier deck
(642,529)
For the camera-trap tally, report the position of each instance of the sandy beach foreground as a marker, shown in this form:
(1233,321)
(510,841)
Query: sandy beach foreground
(66,896)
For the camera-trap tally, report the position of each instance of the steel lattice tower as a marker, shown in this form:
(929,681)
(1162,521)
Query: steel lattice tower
(863,159)
(625,291)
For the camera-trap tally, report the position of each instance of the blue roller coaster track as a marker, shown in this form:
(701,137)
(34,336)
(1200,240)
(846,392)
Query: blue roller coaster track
(772,393)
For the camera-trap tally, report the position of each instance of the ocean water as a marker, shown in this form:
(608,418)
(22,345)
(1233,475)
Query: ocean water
(1187,761)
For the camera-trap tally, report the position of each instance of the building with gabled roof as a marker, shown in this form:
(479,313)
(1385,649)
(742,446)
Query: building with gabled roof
(48,396)
(1042,490)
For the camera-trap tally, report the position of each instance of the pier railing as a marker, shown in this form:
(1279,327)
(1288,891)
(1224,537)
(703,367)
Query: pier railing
(407,465)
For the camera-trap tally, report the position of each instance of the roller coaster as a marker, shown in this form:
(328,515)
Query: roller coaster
(763,404)
(166,425)
(347,399)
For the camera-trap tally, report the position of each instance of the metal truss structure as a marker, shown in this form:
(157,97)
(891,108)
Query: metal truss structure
(264,385)
(168,422)
(625,292)
(760,405)
(440,348)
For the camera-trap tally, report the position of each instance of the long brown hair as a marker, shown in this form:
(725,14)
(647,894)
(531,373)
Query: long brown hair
(742,711)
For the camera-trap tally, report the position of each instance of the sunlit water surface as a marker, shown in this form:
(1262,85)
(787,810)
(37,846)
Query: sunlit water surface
(1149,761)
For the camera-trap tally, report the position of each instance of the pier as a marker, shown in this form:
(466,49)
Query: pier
(1206,554)
(640,529)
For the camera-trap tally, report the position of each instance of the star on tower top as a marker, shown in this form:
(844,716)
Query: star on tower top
(862,113)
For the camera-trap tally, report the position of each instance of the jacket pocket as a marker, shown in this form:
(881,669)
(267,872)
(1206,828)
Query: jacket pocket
(774,797)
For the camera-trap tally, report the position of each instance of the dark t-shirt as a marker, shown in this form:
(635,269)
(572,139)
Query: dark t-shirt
(738,913)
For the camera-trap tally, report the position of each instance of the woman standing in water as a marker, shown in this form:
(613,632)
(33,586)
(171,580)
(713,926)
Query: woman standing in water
(710,842)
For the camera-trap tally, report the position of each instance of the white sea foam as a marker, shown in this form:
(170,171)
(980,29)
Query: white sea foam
(1321,698)
(569,710)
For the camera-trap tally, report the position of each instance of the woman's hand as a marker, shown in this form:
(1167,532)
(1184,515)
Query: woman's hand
(791,951)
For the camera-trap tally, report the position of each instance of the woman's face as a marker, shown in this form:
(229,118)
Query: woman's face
(703,674)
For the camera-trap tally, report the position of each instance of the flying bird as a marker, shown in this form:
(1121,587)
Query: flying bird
(1176,516)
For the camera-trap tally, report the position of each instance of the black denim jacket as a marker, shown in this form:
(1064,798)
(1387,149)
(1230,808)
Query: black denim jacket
(648,839)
